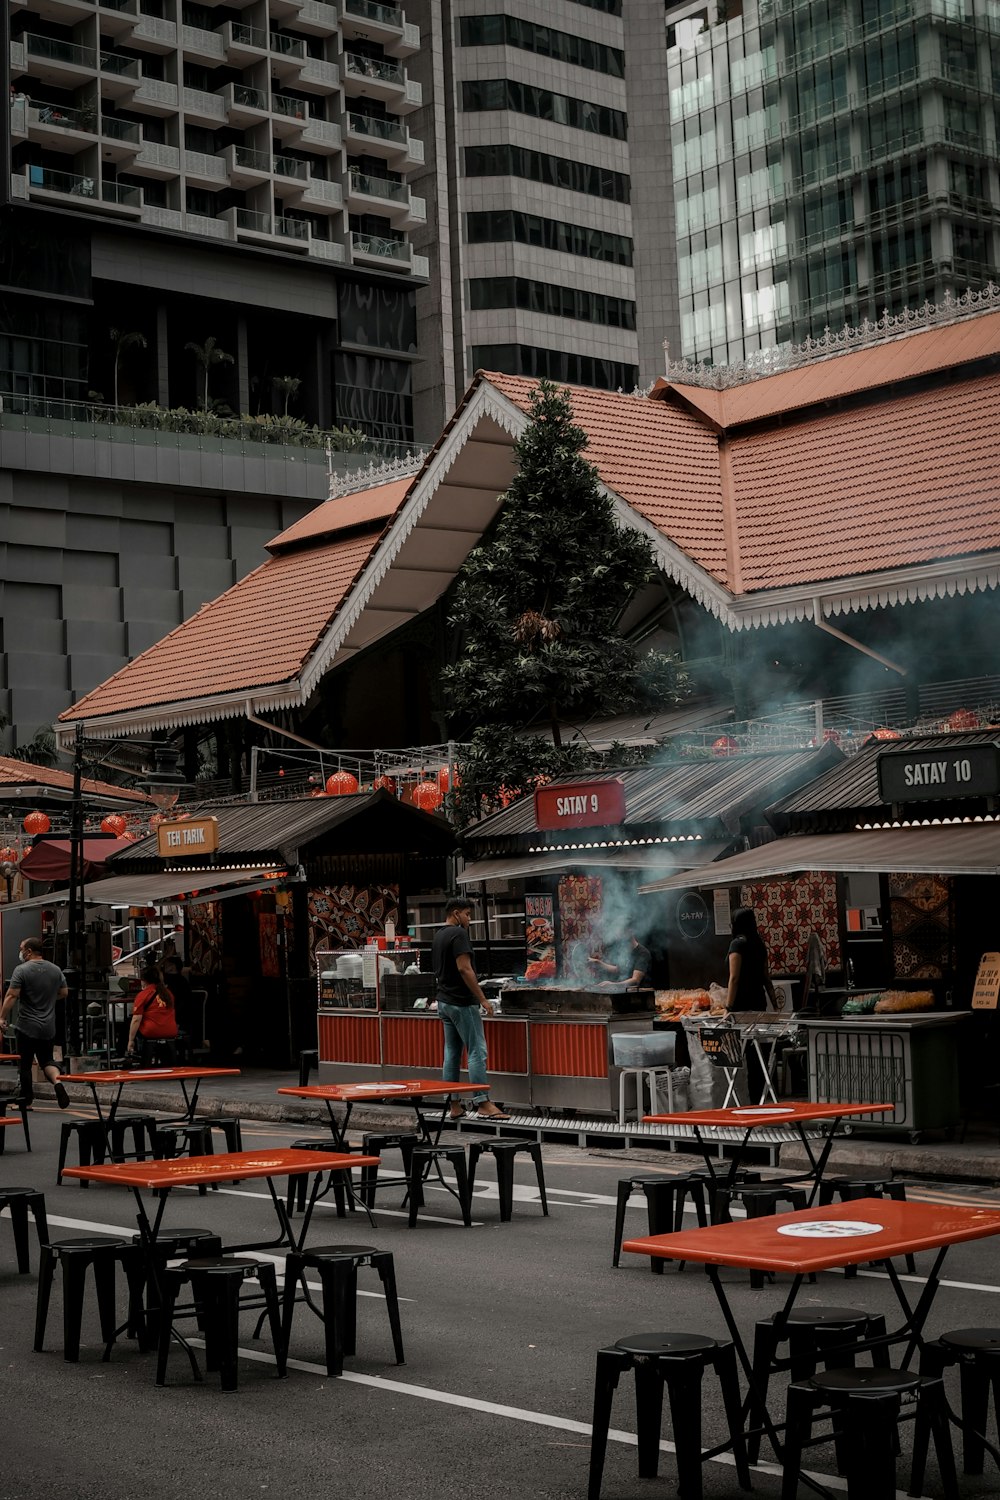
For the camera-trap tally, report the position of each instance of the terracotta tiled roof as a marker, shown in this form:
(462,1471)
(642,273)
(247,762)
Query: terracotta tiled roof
(658,457)
(19,773)
(345,511)
(258,633)
(847,373)
(912,480)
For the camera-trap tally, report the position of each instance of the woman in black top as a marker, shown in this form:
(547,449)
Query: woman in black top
(750,986)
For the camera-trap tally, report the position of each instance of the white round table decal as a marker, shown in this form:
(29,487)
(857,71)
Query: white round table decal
(764,1109)
(379,1088)
(830,1229)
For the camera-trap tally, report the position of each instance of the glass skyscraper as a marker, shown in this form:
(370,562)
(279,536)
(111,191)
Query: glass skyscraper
(831,159)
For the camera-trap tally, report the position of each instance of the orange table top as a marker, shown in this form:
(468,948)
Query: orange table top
(10,1120)
(817,1239)
(10,1057)
(747,1116)
(150,1075)
(229,1166)
(357,1093)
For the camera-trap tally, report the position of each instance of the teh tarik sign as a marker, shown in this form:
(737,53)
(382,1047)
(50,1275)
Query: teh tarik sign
(182,837)
(580,804)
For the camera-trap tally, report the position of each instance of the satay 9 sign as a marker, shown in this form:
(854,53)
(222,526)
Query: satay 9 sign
(580,804)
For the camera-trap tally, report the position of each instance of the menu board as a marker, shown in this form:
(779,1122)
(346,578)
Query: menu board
(987,986)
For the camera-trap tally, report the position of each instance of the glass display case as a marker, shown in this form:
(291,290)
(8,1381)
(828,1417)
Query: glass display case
(372,978)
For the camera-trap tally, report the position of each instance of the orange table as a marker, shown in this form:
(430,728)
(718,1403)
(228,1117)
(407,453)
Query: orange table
(751,1117)
(117,1078)
(821,1239)
(231,1166)
(412,1091)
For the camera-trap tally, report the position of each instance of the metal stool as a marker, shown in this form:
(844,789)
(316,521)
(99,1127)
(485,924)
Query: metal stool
(864,1185)
(21,1106)
(92,1141)
(424,1157)
(504,1152)
(142,1128)
(649,1076)
(866,1406)
(75,1255)
(216,1285)
(759,1199)
(815,1335)
(340,1182)
(677,1361)
(375,1143)
(144,1309)
(338,1267)
(19,1200)
(308,1060)
(976,1351)
(665,1197)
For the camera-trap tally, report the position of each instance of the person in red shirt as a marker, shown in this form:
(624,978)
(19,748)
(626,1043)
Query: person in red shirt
(154,1019)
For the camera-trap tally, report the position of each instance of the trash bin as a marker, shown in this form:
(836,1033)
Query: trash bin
(908,1061)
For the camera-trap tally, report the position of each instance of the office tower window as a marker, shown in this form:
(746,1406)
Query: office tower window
(381,317)
(542,104)
(500,226)
(610,7)
(550,299)
(374,394)
(555,171)
(554,364)
(561,46)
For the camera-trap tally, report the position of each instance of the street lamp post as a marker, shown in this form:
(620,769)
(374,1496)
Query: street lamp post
(76,938)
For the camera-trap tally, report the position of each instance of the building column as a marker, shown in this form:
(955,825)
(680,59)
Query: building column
(242,368)
(162,358)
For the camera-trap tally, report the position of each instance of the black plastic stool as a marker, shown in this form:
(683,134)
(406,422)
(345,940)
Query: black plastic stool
(504,1152)
(340,1182)
(338,1273)
(144,1308)
(142,1128)
(216,1284)
(75,1255)
(677,1361)
(976,1351)
(759,1199)
(19,1200)
(374,1143)
(665,1198)
(11,1101)
(424,1157)
(864,1185)
(308,1060)
(867,1405)
(815,1335)
(93,1144)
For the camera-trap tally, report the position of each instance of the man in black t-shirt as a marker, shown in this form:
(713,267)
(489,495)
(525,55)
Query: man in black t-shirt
(460,1000)
(629,966)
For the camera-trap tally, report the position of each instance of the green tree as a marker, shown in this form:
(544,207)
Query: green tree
(208,356)
(287,386)
(537,607)
(123,341)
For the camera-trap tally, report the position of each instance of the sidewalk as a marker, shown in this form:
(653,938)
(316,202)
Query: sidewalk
(253,1095)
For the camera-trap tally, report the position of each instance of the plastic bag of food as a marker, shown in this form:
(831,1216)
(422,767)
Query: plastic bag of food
(717,998)
(903,1000)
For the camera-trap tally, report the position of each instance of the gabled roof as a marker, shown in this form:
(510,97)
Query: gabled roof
(849,506)
(22,782)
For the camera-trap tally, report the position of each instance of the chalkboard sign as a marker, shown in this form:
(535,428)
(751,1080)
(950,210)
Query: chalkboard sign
(938,774)
(987,986)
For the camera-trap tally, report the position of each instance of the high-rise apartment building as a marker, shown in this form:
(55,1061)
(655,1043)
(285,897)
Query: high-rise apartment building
(530,217)
(830,159)
(180,171)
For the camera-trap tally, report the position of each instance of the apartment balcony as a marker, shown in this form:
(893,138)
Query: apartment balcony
(116,17)
(382,23)
(242,105)
(382,251)
(202,46)
(157,161)
(246,168)
(389,139)
(294,175)
(377,78)
(61,63)
(316,76)
(202,170)
(322,197)
(59,128)
(317,19)
(331,250)
(63,12)
(284,10)
(120,140)
(202,108)
(298,186)
(289,117)
(154,97)
(19,118)
(273,230)
(154,35)
(44,185)
(162,218)
(288,53)
(120,76)
(380,195)
(321,137)
(244,45)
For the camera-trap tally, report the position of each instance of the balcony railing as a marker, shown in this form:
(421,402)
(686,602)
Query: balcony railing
(120,67)
(249,98)
(248,36)
(360,66)
(254,161)
(62,182)
(383,130)
(384,246)
(291,229)
(372,10)
(258,223)
(379,187)
(62,116)
(287,166)
(122,193)
(287,46)
(119,130)
(295,109)
(65,52)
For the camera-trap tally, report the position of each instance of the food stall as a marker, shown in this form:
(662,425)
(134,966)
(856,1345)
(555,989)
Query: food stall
(905,837)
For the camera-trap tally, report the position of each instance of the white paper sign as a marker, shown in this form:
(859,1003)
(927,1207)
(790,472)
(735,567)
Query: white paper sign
(723,913)
(369,968)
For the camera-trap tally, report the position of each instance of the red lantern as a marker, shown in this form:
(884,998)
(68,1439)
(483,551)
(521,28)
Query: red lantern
(37,822)
(427,796)
(887,734)
(963,718)
(114,823)
(725,745)
(384,783)
(155,821)
(341,784)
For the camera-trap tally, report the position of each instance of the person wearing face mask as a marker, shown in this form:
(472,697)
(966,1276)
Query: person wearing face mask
(35,986)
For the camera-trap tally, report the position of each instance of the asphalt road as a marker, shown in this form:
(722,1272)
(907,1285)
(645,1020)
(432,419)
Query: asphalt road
(500,1323)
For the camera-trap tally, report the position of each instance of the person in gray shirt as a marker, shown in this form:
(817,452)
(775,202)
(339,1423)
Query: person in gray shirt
(35,986)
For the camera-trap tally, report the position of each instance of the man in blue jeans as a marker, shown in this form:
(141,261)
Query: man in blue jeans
(459,999)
